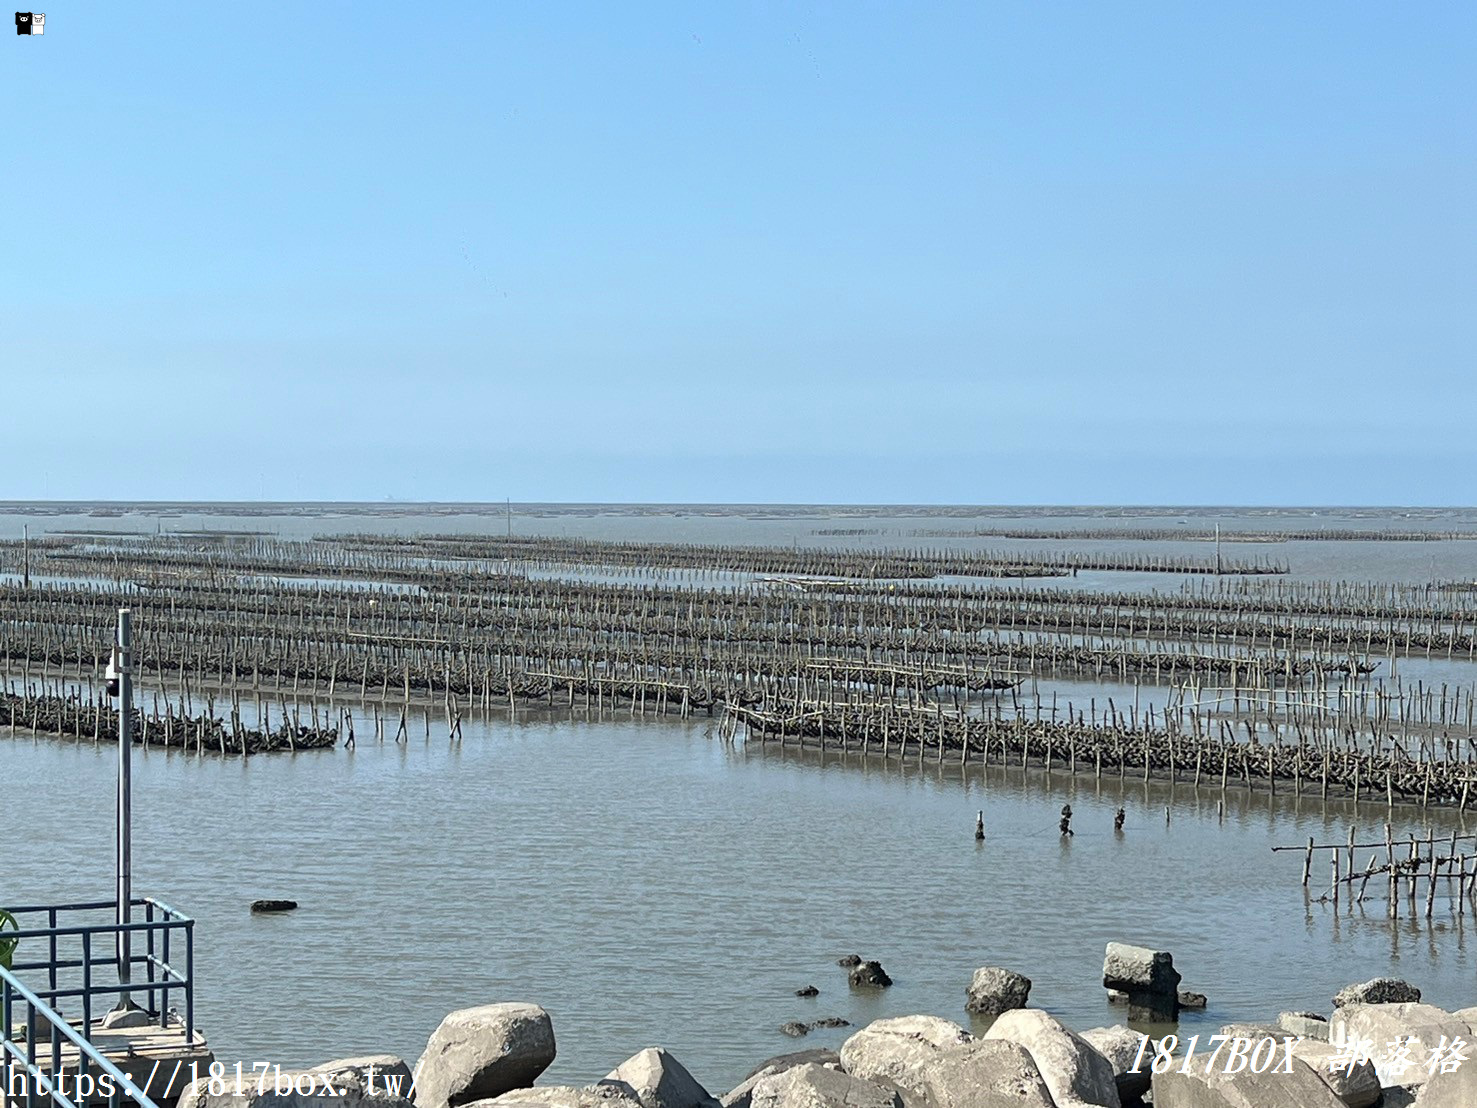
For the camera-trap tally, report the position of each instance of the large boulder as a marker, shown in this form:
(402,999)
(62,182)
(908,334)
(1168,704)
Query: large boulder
(740,1096)
(1353,1080)
(374,1081)
(563,1096)
(479,1053)
(1398,1038)
(1467,1015)
(812,1086)
(658,1080)
(1123,1047)
(1074,1072)
(1256,1031)
(820,1056)
(899,1050)
(993,990)
(375,1073)
(1378,990)
(1207,1085)
(1456,1088)
(1308,1025)
(1148,977)
(1138,968)
(985,1073)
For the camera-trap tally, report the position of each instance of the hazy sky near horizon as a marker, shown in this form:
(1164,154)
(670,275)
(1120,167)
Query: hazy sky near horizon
(967,253)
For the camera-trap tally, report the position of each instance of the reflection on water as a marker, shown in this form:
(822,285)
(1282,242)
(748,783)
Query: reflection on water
(650,885)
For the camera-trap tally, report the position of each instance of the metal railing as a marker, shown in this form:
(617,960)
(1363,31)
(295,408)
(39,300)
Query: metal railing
(44,1083)
(89,964)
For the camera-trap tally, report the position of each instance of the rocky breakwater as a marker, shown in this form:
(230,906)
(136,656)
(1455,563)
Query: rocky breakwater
(492,1056)
(1380,1047)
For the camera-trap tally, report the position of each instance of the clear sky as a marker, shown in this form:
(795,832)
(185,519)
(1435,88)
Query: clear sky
(994,252)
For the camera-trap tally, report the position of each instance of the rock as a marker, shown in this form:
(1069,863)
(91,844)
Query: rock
(985,1073)
(657,1080)
(1137,968)
(1381,1028)
(1187,999)
(387,1073)
(1254,1031)
(740,1097)
(898,1050)
(1147,976)
(808,990)
(812,1086)
(562,1096)
(1116,997)
(1457,1089)
(273,905)
(1378,990)
(195,1095)
(1200,1088)
(848,960)
(830,1021)
(820,1056)
(1310,1025)
(1120,1045)
(993,990)
(1353,1082)
(795,1029)
(480,1053)
(1074,1072)
(868,975)
(380,1080)
(1469,1017)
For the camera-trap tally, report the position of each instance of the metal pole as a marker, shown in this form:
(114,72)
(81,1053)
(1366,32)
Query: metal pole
(125,796)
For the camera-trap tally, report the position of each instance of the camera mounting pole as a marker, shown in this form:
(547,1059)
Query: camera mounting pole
(124,651)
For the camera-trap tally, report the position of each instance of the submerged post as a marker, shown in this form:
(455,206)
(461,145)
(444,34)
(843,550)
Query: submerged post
(125,797)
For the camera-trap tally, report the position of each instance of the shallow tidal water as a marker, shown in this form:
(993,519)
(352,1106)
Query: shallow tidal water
(650,885)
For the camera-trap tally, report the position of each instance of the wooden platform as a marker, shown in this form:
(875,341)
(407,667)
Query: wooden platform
(159,1060)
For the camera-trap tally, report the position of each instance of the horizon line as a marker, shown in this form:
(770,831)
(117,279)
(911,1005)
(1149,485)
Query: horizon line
(10,505)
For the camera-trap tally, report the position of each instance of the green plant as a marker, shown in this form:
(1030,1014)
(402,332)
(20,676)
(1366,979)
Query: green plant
(7,945)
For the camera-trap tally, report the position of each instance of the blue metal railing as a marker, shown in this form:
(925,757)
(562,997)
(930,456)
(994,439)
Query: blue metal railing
(44,1082)
(73,952)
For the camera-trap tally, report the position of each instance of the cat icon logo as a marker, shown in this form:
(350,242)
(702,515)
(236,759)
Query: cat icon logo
(30,23)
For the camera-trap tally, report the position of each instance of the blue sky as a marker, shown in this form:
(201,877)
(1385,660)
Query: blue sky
(979,253)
